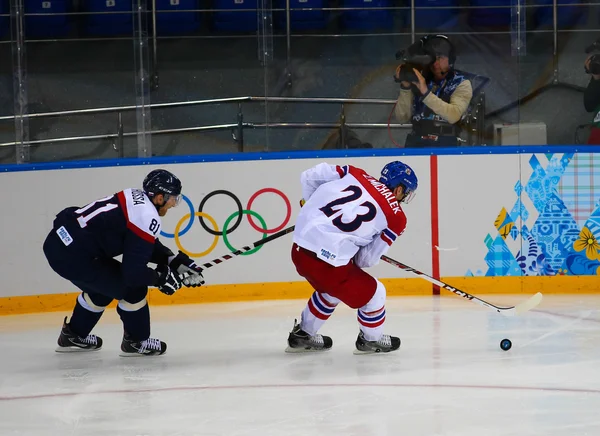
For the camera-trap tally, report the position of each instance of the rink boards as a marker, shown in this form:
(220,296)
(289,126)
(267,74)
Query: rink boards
(502,221)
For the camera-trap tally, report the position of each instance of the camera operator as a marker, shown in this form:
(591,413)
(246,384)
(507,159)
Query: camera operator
(591,95)
(434,96)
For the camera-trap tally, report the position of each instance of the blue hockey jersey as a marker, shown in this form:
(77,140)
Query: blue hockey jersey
(126,224)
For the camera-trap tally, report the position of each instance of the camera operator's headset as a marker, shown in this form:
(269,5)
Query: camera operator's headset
(452,54)
(451,60)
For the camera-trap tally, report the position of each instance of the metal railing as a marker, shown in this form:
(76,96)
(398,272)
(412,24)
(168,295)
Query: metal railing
(474,120)
(237,127)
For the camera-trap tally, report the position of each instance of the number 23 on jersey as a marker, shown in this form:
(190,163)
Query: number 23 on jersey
(355,194)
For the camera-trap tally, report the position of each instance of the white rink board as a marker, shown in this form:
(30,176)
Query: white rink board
(36,196)
(471,188)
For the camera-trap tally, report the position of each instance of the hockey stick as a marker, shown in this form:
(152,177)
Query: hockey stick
(247,248)
(506,311)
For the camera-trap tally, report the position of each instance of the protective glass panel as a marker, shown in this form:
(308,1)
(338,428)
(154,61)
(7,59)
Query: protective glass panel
(76,64)
(109,78)
(7,125)
(332,56)
(141,57)
(496,45)
(206,63)
(551,74)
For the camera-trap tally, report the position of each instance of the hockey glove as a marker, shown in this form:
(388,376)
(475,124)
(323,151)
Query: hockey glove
(187,269)
(168,280)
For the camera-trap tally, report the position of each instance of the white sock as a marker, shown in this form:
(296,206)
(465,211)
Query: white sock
(371,317)
(319,308)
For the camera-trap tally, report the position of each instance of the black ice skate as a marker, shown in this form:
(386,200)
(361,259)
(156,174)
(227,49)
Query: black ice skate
(149,347)
(386,344)
(301,342)
(69,342)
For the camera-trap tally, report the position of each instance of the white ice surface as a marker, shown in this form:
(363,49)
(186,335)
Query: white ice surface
(225,373)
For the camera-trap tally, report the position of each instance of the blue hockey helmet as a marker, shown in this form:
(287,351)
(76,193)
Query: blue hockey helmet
(162,182)
(396,174)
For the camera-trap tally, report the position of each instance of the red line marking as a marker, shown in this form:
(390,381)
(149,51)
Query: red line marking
(435,234)
(566,390)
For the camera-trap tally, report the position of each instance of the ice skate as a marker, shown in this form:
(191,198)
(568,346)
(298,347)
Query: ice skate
(301,342)
(69,342)
(385,344)
(149,347)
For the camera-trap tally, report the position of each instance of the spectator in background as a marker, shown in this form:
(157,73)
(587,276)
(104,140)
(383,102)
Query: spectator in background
(437,102)
(591,97)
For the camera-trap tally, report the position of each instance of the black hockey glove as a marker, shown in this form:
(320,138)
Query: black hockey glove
(190,272)
(168,280)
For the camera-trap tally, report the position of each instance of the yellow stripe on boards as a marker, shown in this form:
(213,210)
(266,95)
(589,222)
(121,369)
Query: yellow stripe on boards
(526,285)
(205,294)
(302,290)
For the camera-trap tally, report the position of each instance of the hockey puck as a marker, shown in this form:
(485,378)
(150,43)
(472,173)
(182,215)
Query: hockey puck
(505,344)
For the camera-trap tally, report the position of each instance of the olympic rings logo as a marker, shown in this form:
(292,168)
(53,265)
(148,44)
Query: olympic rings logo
(237,215)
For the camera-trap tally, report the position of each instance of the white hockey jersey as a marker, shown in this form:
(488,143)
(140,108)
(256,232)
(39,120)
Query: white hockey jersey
(347,215)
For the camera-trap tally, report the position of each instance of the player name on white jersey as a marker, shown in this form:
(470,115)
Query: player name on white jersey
(387,194)
(138,197)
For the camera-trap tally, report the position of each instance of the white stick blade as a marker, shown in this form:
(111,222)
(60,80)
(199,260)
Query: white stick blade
(529,304)
(508,311)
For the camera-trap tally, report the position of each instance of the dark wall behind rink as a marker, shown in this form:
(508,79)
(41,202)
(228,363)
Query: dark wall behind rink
(80,74)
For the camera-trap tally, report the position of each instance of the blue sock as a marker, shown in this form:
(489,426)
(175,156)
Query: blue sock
(136,323)
(83,320)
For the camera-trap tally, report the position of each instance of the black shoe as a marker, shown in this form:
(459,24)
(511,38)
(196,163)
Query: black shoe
(69,342)
(385,344)
(301,342)
(149,347)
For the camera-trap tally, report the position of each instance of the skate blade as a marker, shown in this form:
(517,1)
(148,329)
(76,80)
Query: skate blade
(75,350)
(305,350)
(123,354)
(358,352)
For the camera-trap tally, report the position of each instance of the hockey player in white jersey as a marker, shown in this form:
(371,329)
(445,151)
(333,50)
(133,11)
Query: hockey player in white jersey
(348,220)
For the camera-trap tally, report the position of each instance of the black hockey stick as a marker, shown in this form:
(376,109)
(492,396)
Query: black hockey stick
(520,308)
(247,248)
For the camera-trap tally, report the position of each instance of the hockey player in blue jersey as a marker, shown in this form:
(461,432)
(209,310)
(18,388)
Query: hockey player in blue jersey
(82,247)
